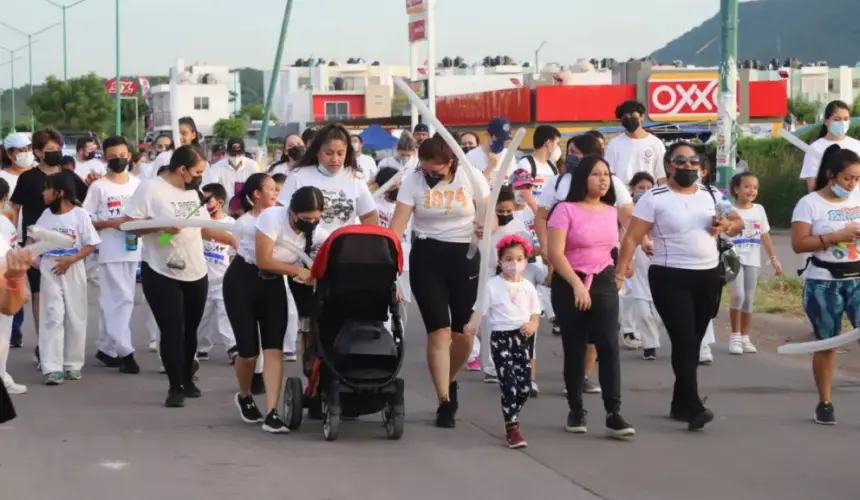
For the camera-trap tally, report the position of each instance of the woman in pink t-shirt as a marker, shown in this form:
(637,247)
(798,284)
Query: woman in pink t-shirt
(582,232)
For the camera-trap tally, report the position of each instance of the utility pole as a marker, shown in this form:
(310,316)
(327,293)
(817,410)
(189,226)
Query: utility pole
(273,81)
(11,63)
(119,77)
(29,46)
(727,127)
(64,8)
(537,56)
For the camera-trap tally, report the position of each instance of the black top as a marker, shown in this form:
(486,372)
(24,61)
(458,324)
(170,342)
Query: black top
(28,194)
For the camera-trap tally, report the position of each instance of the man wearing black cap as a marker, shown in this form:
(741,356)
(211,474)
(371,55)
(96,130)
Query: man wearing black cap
(421,133)
(219,152)
(486,158)
(232,172)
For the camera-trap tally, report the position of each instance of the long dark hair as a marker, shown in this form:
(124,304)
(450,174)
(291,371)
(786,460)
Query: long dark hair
(332,132)
(186,156)
(285,157)
(252,183)
(165,135)
(64,182)
(831,108)
(579,180)
(833,161)
(189,122)
(307,199)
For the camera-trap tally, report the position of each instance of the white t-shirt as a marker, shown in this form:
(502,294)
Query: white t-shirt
(12,180)
(223,173)
(368,167)
(527,217)
(811,163)
(552,195)
(385,209)
(247,240)
(274,222)
(283,168)
(481,160)
(543,173)
(637,285)
(161,160)
(182,259)
(217,256)
(627,156)
(8,232)
(680,227)
(85,168)
(75,223)
(510,305)
(825,217)
(446,212)
(748,243)
(105,200)
(393,162)
(346,194)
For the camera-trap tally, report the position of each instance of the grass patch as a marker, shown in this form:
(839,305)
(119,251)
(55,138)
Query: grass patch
(775,296)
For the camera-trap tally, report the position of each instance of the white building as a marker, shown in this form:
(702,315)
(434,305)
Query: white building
(205,94)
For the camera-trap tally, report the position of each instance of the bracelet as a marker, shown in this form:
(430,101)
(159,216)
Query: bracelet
(17,288)
(20,277)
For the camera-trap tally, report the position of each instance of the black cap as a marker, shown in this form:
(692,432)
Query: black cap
(421,127)
(218,149)
(235,147)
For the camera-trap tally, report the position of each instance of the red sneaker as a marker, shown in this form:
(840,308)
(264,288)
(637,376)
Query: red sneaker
(515,439)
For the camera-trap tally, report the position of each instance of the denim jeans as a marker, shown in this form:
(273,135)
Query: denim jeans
(17,321)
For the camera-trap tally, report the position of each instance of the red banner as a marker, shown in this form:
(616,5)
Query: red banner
(417,30)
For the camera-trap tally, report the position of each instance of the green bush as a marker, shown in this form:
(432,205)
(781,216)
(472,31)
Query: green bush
(777,165)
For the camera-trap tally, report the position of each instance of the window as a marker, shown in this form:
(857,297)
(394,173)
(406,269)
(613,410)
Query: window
(304,82)
(832,85)
(336,110)
(856,83)
(201,104)
(374,80)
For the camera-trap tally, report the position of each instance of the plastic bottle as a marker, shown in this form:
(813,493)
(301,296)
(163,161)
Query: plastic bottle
(131,241)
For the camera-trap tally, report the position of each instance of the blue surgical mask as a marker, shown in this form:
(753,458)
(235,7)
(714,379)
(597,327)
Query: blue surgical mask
(839,128)
(839,191)
(637,195)
(326,172)
(570,162)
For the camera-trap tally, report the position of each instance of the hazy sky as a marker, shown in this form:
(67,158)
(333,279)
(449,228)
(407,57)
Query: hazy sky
(244,33)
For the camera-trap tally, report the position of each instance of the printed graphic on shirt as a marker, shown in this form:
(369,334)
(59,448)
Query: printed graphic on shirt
(114,205)
(519,298)
(215,253)
(184,209)
(63,252)
(338,207)
(750,236)
(442,199)
(844,250)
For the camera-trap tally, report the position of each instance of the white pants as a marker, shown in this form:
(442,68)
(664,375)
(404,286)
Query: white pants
(116,302)
(292,333)
(62,318)
(645,322)
(92,265)
(215,326)
(625,315)
(151,325)
(709,337)
(5,336)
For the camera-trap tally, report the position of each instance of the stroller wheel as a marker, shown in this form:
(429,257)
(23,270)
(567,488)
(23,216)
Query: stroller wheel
(394,414)
(293,402)
(331,422)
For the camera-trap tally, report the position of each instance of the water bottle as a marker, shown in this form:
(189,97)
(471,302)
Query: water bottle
(131,242)
(724,206)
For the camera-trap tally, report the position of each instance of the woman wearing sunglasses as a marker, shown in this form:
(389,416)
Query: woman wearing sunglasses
(684,275)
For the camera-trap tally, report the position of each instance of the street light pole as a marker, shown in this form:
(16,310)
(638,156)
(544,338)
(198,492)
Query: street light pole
(30,57)
(10,62)
(64,8)
(537,56)
(118,77)
(276,74)
(727,129)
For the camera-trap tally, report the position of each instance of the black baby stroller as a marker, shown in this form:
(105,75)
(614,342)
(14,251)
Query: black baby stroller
(358,359)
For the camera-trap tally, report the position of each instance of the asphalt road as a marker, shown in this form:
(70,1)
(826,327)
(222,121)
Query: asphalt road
(109,436)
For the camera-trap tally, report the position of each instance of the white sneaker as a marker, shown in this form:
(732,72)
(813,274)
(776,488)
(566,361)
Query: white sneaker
(13,388)
(631,342)
(736,346)
(706,357)
(747,344)
(153,346)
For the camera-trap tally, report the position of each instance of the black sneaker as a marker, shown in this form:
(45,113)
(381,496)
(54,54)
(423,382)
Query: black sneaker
(257,385)
(248,410)
(108,360)
(445,416)
(232,354)
(129,365)
(697,421)
(175,399)
(16,343)
(452,396)
(190,390)
(617,427)
(824,414)
(576,422)
(274,425)
(649,354)
(202,356)
(556,330)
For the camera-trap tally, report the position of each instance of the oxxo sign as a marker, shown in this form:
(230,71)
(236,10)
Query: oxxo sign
(679,98)
(129,87)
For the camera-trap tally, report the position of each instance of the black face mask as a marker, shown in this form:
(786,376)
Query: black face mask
(295,153)
(433,179)
(90,155)
(570,162)
(53,158)
(194,183)
(466,149)
(506,219)
(305,226)
(630,124)
(118,165)
(392,194)
(685,177)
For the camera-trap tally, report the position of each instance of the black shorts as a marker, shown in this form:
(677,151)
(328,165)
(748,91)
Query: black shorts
(34,277)
(444,282)
(255,302)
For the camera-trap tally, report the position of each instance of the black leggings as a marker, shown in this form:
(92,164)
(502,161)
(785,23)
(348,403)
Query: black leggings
(177,307)
(599,326)
(255,302)
(686,301)
(443,280)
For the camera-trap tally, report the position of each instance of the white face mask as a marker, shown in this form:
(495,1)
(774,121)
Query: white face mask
(235,160)
(356,146)
(555,155)
(25,159)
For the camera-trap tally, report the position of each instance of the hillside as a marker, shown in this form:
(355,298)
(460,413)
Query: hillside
(825,30)
(251,80)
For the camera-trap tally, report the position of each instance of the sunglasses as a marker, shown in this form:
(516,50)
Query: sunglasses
(682,160)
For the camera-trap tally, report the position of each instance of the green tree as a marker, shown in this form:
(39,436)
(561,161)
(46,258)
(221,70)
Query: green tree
(855,106)
(80,104)
(804,109)
(228,128)
(128,124)
(255,112)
